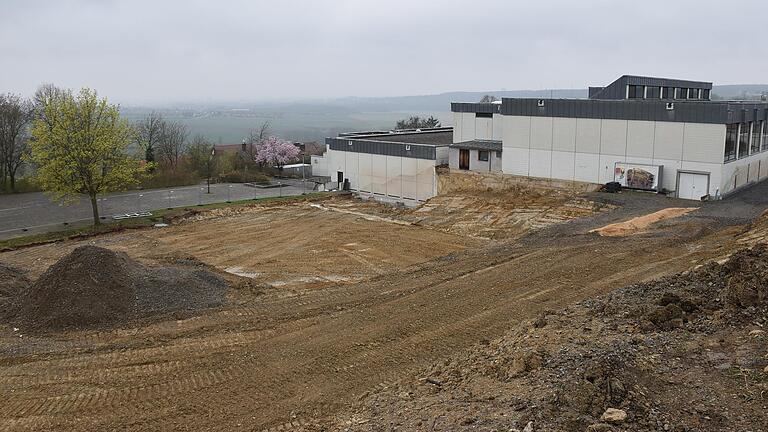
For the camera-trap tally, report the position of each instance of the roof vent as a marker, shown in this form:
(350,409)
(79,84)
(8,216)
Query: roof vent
(670,105)
(407,148)
(541,102)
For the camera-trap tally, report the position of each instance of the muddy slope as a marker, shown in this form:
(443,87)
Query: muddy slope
(684,353)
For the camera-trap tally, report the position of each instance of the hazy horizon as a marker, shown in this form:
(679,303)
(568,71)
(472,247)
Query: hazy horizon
(140,52)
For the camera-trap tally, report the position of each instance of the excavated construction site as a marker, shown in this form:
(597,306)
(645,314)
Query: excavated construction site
(516,310)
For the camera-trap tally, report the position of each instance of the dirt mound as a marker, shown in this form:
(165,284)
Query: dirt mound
(93,287)
(684,353)
(13,282)
(640,224)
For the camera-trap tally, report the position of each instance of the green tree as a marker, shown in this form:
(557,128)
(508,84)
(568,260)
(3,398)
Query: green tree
(79,146)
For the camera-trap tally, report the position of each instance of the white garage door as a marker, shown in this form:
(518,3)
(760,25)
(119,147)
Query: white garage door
(692,185)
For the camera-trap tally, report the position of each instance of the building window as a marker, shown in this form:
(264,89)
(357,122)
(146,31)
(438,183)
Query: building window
(755,147)
(482,155)
(498,154)
(705,94)
(653,92)
(744,140)
(636,92)
(682,93)
(731,137)
(668,93)
(484,115)
(693,94)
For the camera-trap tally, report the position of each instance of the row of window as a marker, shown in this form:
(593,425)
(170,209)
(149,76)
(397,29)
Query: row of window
(655,92)
(744,139)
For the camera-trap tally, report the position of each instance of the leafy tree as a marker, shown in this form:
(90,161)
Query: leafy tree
(201,156)
(79,145)
(276,152)
(15,117)
(488,99)
(417,122)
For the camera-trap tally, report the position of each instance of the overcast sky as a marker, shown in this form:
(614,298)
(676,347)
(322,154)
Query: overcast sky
(155,51)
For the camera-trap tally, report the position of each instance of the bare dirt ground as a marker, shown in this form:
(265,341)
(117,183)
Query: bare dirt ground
(284,357)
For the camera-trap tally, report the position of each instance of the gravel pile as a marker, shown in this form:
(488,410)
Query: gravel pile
(95,287)
(13,282)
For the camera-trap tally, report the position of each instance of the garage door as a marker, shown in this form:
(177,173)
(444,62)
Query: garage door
(692,185)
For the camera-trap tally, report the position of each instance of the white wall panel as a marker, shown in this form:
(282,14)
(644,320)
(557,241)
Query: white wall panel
(394,176)
(541,133)
(467,126)
(587,136)
(498,127)
(640,136)
(541,163)
(483,128)
(365,172)
(668,141)
(352,167)
(515,161)
(378,174)
(586,167)
(564,134)
(517,132)
(426,187)
(669,172)
(613,137)
(457,127)
(563,165)
(704,142)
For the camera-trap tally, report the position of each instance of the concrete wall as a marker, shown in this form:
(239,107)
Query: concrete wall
(468,127)
(586,150)
(742,172)
(453,181)
(319,165)
(389,176)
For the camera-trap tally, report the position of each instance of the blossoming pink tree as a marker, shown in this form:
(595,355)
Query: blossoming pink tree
(276,152)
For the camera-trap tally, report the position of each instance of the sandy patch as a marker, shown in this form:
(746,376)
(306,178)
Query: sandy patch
(641,223)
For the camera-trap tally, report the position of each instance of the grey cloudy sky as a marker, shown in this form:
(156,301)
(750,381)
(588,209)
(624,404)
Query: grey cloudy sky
(155,51)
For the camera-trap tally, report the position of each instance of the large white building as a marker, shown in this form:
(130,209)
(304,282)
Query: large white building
(644,132)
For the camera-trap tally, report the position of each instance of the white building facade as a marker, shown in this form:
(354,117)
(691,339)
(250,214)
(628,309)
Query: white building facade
(696,148)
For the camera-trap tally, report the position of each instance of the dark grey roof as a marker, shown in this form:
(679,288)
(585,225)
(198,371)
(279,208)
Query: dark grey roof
(617,89)
(490,145)
(638,109)
(418,145)
(487,108)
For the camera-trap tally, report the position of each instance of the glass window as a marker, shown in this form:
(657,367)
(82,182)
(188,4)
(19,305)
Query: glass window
(498,154)
(484,115)
(731,135)
(668,93)
(682,93)
(693,94)
(653,93)
(482,155)
(755,146)
(636,91)
(705,94)
(744,140)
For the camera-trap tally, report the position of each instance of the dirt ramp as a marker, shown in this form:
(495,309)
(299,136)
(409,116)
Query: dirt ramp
(93,287)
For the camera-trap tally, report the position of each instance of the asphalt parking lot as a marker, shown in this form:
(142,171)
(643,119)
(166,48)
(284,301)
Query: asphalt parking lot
(30,213)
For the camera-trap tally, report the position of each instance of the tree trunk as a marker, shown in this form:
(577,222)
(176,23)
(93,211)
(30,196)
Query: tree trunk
(95,206)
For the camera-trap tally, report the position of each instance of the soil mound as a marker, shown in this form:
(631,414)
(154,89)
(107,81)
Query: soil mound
(94,287)
(684,353)
(13,282)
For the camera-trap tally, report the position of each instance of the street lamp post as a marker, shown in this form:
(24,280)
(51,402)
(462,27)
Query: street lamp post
(138,203)
(170,193)
(229,194)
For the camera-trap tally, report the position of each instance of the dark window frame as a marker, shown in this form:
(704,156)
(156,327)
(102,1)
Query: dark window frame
(743,148)
(483,115)
(682,93)
(636,92)
(754,143)
(653,92)
(480,154)
(668,93)
(731,140)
